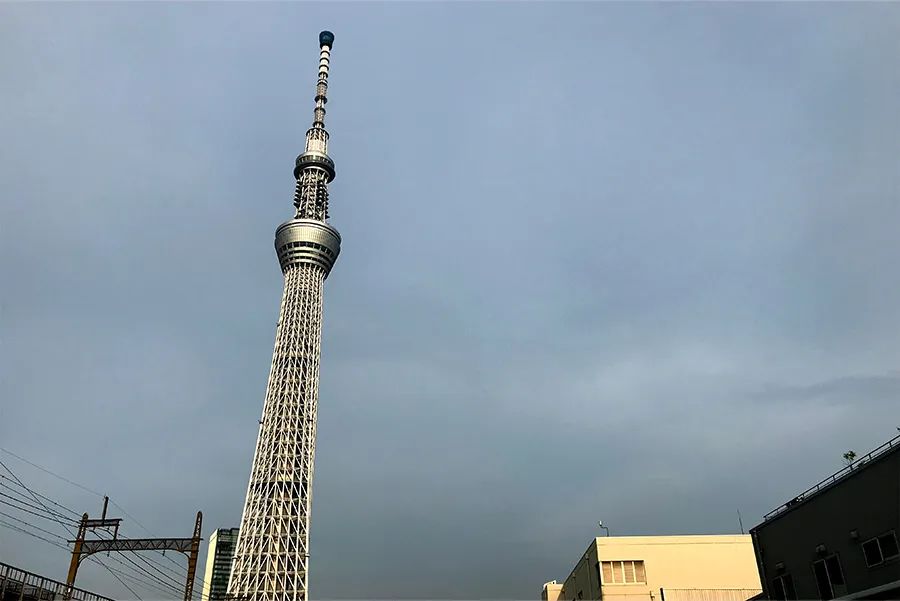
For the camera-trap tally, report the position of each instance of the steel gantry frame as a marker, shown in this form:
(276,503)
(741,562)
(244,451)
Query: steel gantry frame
(272,553)
(85,548)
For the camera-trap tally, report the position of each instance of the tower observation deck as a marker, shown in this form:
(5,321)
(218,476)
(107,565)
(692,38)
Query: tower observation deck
(272,555)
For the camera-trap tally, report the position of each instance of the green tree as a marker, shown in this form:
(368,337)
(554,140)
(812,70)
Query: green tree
(849,456)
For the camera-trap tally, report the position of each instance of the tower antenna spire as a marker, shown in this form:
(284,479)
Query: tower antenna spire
(326,41)
(314,169)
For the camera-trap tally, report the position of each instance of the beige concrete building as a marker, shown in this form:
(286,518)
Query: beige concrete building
(662,568)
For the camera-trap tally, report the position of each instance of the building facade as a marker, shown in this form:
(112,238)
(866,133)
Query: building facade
(272,558)
(222,544)
(837,539)
(662,568)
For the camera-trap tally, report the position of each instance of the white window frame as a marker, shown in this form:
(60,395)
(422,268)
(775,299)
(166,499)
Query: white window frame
(781,579)
(633,563)
(837,590)
(880,550)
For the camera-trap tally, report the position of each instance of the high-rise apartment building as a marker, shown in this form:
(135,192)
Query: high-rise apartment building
(218,563)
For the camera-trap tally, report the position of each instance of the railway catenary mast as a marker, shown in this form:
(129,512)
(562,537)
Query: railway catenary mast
(272,555)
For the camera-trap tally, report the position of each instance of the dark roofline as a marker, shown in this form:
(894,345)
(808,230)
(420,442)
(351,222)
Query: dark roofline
(891,446)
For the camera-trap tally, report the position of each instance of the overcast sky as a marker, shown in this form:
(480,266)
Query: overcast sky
(636,263)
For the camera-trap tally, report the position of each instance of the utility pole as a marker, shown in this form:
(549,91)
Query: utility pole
(84,548)
(85,525)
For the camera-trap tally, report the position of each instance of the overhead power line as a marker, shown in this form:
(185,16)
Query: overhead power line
(173,583)
(68,529)
(133,578)
(46,471)
(56,516)
(32,534)
(12,517)
(29,508)
(46,498)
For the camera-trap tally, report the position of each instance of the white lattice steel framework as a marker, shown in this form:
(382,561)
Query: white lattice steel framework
(272,555)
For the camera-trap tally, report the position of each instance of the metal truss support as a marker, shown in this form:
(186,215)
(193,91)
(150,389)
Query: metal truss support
(84,548)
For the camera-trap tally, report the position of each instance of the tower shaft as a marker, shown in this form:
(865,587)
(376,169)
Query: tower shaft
(272,554)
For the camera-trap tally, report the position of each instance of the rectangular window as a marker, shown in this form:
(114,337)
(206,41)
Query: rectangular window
(789,593)
(624,572)
(835,573)
(639,574)
(629,570)
(888,543)
(872,551)
(778,589)
(829,577)
(783,588)
(880,548)
(825,592)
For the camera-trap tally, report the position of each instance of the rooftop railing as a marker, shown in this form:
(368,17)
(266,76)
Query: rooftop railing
(835,477)
(19,584)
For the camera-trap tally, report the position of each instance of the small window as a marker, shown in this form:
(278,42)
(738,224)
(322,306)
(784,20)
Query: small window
(783,588)
(880,548)
(828,576)
(778,589)
(835,573)
(607,571)
(872,551)
(821,572)
(888,543)
(629,571)
(790,593)
(640,576)
(624,572)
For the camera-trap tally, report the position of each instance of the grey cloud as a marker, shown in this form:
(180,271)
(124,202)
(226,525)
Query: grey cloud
(858,390)
(630,263)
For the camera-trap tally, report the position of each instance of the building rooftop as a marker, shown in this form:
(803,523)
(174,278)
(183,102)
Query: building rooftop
(663,539)
(855,467)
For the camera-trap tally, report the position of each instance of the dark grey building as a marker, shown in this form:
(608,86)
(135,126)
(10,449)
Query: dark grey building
(222,544)
(839,538)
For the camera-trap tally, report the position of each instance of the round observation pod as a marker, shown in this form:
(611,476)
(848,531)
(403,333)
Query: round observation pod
(307,241)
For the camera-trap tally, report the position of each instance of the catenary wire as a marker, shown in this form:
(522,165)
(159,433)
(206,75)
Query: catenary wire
(154,565)
(89,490)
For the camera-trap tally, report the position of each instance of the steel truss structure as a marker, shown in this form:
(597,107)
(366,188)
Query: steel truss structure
(85,548)
(272,553)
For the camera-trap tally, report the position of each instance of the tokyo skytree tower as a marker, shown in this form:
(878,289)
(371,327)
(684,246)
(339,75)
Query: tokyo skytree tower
(272,555)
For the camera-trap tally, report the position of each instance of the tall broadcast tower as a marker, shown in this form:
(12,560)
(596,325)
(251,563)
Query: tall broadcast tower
(272,557)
